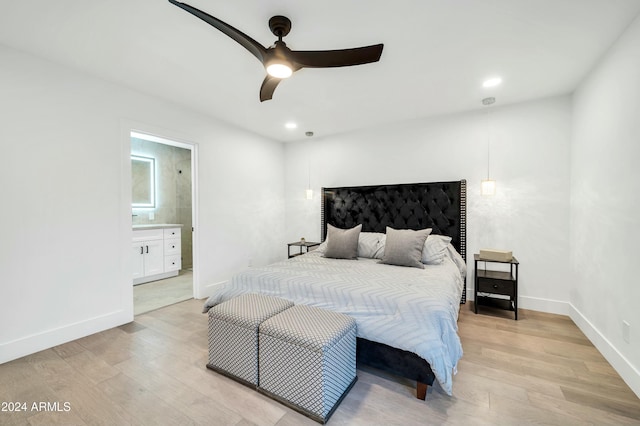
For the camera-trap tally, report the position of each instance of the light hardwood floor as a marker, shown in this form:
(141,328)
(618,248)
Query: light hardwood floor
(538,370)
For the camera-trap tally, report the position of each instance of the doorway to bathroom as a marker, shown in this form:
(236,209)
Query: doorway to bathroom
(162,212)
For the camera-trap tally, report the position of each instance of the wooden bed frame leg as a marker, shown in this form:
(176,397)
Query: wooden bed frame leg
(421,390)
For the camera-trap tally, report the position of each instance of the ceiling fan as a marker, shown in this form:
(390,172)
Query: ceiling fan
(280,61)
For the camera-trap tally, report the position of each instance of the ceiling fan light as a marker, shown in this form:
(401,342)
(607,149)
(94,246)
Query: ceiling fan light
(279,70)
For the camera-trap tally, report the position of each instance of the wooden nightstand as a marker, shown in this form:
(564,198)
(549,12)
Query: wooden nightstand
(492,283)
(306,244)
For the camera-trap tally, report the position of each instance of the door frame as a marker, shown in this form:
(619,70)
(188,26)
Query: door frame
(167,138)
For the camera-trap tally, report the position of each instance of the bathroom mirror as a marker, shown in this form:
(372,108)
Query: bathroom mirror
(143,182)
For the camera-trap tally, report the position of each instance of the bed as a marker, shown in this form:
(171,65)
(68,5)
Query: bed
(406,317)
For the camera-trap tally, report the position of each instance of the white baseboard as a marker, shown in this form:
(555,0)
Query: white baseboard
(209,289)
(57,336)
(537,304)
(544,305)
(627,371)
(156,277)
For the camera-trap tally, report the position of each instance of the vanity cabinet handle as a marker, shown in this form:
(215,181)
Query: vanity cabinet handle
(141,250)
(147,249)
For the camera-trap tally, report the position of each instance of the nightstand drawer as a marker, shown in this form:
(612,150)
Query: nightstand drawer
(488,285)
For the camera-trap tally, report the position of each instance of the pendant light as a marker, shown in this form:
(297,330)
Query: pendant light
(488,185)
(309,191)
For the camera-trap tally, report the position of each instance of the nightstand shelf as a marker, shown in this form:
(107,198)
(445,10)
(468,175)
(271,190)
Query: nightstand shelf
(491,284)
(302,244)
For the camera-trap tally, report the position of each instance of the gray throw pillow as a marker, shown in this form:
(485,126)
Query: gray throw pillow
(404,247)
(342,243)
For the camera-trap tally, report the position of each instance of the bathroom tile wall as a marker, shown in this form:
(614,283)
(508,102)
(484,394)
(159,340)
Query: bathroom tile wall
(173,197)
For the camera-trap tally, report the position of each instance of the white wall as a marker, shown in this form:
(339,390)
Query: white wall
(66,196)
(529,160)
(605,205)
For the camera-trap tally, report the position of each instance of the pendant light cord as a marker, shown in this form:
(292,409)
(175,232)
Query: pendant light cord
(488,143)
(487,102)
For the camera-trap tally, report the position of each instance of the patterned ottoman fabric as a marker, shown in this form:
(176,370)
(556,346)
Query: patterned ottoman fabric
(308,359)
(233,334)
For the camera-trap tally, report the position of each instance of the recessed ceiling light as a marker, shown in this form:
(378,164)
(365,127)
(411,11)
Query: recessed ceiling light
(291,125)
(492,82)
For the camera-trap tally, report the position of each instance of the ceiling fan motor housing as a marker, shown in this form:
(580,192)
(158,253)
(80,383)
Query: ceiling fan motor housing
(280,25)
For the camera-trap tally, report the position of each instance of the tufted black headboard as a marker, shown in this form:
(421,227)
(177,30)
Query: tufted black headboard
(438,205)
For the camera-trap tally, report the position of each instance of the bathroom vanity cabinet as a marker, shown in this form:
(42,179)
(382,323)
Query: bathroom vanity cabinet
(156,251)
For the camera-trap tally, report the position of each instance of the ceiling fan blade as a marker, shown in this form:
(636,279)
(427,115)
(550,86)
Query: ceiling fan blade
(268,87)
(337,58)
(247,42)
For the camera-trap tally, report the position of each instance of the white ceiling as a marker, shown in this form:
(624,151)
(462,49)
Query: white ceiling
(436,53)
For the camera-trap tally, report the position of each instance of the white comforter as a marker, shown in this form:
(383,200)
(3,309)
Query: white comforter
(408,308)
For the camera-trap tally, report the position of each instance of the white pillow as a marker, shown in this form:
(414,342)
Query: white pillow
(322,247)
(371,245)
(435,249)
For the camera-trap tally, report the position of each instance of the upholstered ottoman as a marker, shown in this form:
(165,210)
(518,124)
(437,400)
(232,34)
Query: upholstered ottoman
(308,359)
(233,334)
